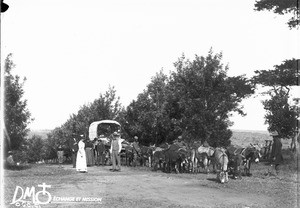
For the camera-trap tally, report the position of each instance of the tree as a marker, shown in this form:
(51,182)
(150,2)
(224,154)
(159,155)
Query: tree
(202,98)
(54,139)
(36,149)
(196,101)
(281,116)
(146,117)
(281,78)
(16,114)
(281,7)
(107,106)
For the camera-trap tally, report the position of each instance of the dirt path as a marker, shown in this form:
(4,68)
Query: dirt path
(132,188)
(141,187)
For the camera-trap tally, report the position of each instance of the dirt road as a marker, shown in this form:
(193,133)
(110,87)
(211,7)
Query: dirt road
(141,187)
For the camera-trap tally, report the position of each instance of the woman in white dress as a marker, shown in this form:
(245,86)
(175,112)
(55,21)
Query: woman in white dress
(81,157)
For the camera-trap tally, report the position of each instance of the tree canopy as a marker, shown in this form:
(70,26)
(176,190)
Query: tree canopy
(281,7)
(16,115)
(146,116)
(203,97)
(281,116)
(107,106)
(284,76)
(195,101)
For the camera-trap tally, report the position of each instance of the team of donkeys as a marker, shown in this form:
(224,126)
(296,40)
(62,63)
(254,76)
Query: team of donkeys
(194,158)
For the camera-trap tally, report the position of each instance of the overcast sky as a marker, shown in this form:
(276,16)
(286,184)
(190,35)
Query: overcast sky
(70,51)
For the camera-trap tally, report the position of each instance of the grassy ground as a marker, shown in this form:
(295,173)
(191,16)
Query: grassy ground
(282,188)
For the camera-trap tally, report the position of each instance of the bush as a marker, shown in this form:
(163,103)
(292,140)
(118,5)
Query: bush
(20,156)
(35,150)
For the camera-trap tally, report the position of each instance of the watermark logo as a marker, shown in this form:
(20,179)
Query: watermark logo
(57,199)
(31,198)
(28,197)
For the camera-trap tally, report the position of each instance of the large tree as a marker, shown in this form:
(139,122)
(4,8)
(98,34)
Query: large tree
(16,115)
(203,96)
(281,115)
(196,101)
(281,7)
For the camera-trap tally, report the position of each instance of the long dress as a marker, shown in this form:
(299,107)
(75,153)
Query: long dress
(81,158)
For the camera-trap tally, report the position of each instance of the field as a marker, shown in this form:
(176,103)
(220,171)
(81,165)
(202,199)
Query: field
(142,187)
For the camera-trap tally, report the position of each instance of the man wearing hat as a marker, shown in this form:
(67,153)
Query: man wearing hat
(276,155)
(136,150)
(179,141)
(115,149)
(74,149)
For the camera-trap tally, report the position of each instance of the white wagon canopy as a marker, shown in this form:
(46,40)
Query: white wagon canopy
(103,129)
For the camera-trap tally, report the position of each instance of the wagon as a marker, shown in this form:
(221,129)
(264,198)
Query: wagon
(102,130)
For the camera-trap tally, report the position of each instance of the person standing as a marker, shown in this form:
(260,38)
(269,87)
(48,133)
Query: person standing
(10,159)
(81,156)
(136,150)
(74,149)
(100,147)
(60,155)
(89,153)
(276,154)
(115,149)
(95,153)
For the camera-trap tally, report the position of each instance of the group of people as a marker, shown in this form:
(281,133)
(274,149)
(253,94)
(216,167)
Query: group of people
(83,152)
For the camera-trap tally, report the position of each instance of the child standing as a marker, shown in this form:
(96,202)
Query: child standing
(60,155)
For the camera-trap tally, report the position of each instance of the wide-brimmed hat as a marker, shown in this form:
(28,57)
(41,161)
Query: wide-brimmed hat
(136,137)
(274,133)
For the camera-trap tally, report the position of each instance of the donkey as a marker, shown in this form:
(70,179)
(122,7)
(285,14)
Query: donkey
(221,164)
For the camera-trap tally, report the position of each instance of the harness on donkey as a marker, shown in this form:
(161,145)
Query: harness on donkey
(202,155)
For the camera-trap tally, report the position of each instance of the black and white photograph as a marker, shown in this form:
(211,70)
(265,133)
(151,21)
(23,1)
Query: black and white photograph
(150,104)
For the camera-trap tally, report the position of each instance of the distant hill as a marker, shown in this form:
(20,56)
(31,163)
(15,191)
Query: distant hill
(42,133)
(245,137)
(254,131)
